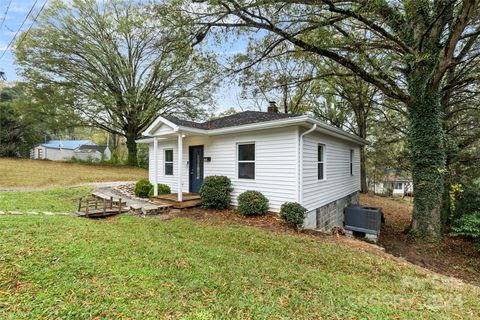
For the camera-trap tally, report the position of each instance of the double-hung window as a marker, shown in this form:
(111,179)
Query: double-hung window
(351,161)
(168,160)
(246,160)
(321,161)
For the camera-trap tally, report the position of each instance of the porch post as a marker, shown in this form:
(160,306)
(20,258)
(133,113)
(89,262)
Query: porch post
(155,166)
(179,166)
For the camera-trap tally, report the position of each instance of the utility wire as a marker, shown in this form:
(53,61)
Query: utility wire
(5,14)
(16,33)
(33,22)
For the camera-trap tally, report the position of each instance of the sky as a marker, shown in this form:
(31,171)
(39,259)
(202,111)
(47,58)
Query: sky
(227,96)
(13,20)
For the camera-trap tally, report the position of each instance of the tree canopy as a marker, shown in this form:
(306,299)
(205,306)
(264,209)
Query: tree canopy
(406,49)
(123,62)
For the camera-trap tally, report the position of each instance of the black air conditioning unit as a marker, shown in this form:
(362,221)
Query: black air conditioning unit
(363,219)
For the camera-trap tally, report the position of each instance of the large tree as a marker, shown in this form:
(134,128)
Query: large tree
(305,84)
(461,105)
(422,39)
(122,60)
(12,130)
(49,103)
(280,77)
(358,100)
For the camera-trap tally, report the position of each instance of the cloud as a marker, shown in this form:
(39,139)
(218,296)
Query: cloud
(3,45)
(22,7)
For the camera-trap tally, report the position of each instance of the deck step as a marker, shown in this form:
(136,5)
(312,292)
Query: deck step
(102,196)
(188,200)
(150,209)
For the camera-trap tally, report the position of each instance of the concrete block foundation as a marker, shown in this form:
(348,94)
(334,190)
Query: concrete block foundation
(330,215)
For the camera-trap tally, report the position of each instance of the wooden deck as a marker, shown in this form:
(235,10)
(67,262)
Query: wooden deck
(189,200)
(101,213)
(100,206)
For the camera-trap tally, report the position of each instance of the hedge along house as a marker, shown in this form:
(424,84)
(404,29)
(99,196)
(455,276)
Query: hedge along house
(286,157)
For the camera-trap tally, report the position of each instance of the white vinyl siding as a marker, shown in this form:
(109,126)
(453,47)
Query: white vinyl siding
(338,183)
(57,154)
(164,129)
(276,165)
(275,162)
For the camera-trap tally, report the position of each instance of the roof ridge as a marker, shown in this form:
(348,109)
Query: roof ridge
(232,120)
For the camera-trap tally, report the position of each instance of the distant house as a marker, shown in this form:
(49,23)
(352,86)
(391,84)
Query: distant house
(286,157)
(393,184)
(61,150)
(92,152)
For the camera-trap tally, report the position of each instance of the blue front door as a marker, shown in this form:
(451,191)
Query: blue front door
(196,168)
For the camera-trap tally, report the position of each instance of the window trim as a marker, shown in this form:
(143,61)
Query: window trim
(352,157)
(395,186)
(246,161)
(323,161)
(165,162)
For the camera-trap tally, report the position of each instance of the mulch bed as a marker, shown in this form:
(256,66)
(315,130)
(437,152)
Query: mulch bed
(454,257)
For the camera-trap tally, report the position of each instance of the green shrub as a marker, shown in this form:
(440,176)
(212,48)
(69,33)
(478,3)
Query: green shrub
(215,192)
(162,189)
(293,213)
(468,201)
(388,192)
(142,188)
(252,203)
(468,226)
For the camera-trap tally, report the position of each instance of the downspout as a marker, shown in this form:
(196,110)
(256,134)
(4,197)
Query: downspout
(300,195)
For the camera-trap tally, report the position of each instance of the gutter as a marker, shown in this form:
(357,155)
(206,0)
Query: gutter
(300,189)
(336,132)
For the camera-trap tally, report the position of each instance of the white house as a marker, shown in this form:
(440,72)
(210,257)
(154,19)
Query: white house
(394,185)
(92,152)
(286,157)
(57,149)
(62,150)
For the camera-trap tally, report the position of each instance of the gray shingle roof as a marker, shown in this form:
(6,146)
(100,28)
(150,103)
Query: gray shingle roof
(87,148)
(238,119)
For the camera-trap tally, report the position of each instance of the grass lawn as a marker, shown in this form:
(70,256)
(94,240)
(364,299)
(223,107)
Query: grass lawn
(16,173)
(51,200)
(66,267)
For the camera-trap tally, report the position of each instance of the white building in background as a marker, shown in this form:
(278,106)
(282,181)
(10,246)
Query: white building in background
(92,152)
(393,185)
(62,150)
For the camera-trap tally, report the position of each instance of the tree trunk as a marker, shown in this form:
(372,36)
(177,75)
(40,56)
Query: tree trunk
(363,171)
(361,116)
(426,144)
(446,204)
(132,149)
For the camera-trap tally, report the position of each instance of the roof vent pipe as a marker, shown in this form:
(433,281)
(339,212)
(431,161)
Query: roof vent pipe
(272,107)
